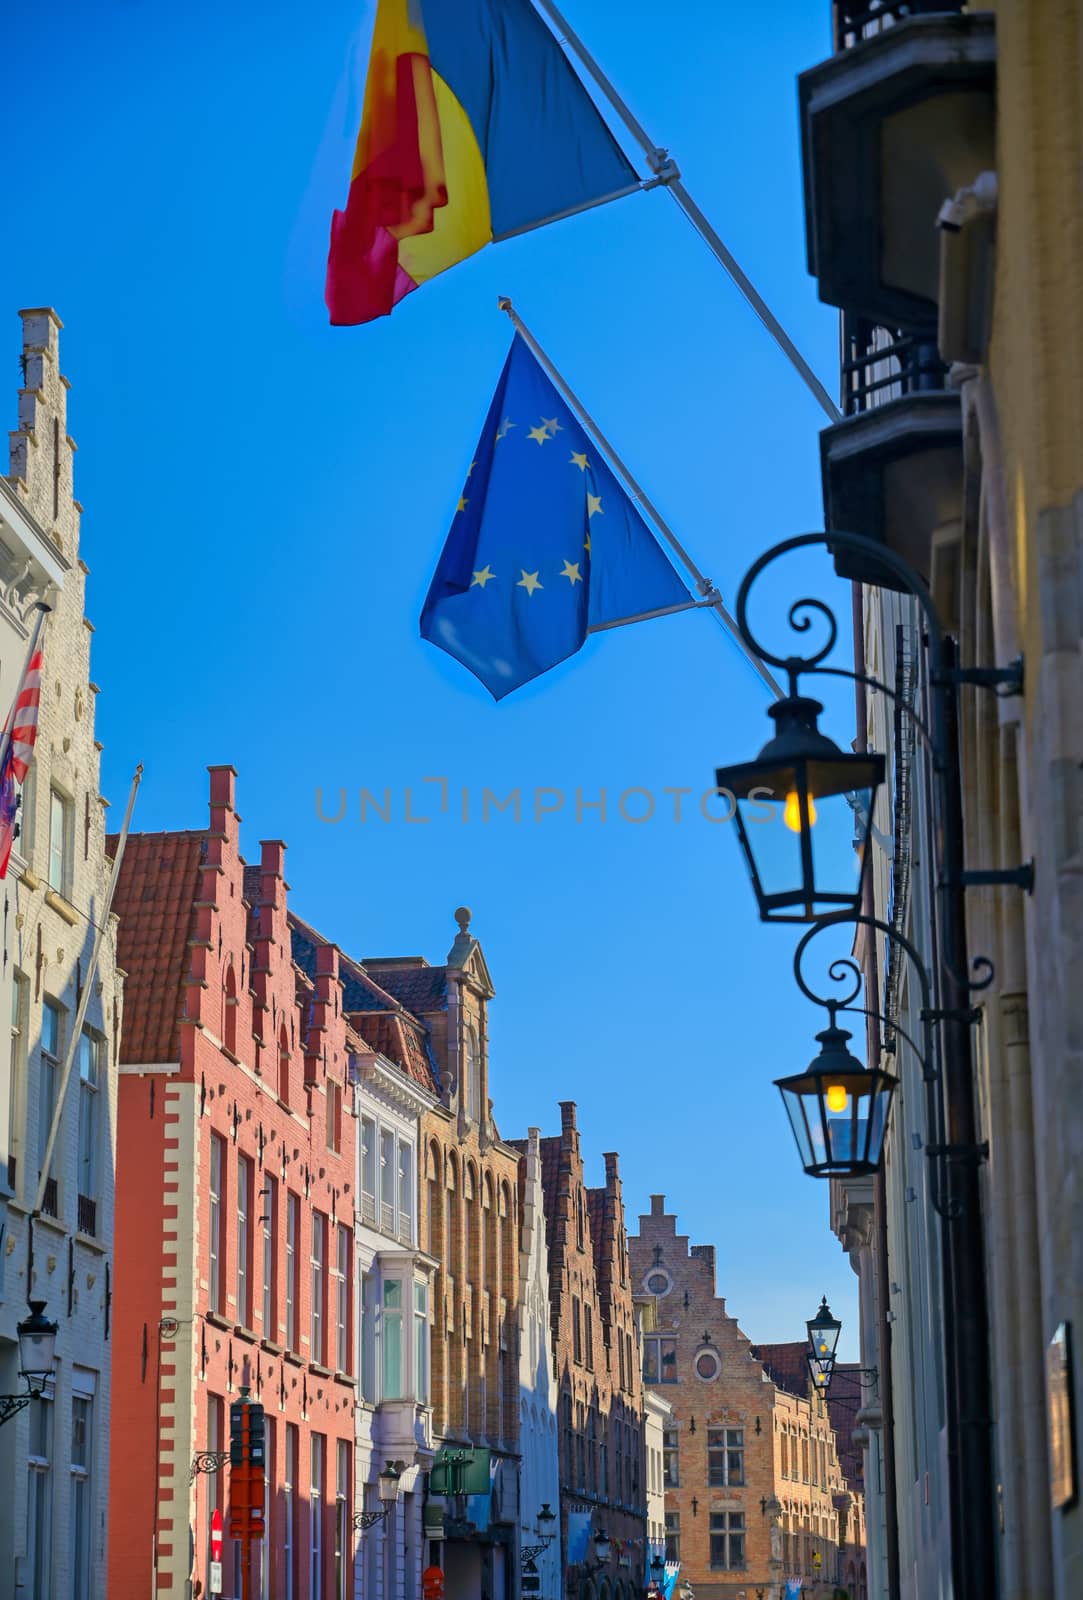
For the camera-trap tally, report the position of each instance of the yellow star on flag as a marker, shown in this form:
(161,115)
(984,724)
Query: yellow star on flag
(594,504)
(572,573)
(463,503)
(540,434)
(579,460)
(552,426)
(586,546)
(470,468)
(486,575)
(529,582)
(505,427)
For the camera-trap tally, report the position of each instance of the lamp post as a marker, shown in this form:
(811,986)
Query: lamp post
(798,881)
(37,1355)
(387,1486)
(529,1552)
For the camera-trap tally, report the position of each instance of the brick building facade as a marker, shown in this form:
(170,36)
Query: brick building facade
(54,1454)
(235,1208)
(603,1484)
(752,1476)
(469,1225)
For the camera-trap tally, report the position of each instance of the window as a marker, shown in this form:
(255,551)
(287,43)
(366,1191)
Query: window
(421,1344)
(283,1065)
(671,1459)
(216,1262)
(727,1540)
(804,1460)
(315,1578)
(368,1169)
(673,1536)
(270,1263)
(473,1076)
(245,1185)
(342,1298)
(319,1288)
(90,1076)
(343,1521)
(215,1487)
(60,843)
(80,1511)
(658,1282)
(39,1504)
(784,1447)
(659,1359)
(52,1042)
(387,1180)
(333,1129)
(368,1337)
(725,1457)
(708,1365)
(293,1269)
(391,1339)
(289,1512)
(577,1331)
(16,1070)
(588,1330)
(229,1011)
(406,1192)
(265,1546)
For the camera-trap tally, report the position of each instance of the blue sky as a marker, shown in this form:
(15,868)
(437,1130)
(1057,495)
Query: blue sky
(266,498)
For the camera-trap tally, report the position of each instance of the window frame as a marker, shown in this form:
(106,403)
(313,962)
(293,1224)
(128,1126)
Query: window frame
(216,1253)
(733,1526)
(62,805)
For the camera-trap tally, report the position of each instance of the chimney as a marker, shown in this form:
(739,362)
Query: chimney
(658,1205)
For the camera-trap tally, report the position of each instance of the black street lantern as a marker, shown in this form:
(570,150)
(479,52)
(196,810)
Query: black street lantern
(838,1109)
(803,810)
(37,1348)
(823,1335)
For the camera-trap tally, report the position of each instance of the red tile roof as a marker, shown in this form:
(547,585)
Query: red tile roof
(159,881)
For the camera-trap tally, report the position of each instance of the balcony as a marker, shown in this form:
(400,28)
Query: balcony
(898,120)
(893,468)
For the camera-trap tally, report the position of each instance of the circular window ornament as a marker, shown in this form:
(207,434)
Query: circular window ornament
(708,1365)
(658,1282)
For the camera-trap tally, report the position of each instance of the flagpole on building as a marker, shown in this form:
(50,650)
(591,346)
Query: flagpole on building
(100,926)
(668,176)
(706,588)
(43,611)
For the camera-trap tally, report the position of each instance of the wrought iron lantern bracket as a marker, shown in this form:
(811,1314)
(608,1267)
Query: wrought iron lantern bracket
(942,677)
(12,1404)
(208,1461)
(363,1520)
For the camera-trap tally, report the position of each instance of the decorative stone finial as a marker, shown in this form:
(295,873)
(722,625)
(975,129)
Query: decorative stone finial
(462,917)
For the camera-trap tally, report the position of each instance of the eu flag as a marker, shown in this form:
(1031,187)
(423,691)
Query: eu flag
(545,545)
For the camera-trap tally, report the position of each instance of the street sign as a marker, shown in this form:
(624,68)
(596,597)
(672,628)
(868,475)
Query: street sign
(216,1578)
(216,1537)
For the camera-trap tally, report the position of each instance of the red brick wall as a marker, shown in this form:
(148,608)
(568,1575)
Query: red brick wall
(237,962)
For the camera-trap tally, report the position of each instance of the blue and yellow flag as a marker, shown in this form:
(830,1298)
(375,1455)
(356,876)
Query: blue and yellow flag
(545,547)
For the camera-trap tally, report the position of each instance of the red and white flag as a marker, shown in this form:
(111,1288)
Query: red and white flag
(23,722)
(24,718)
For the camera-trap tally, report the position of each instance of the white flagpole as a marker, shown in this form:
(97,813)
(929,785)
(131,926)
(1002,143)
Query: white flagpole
(43,611)
(668,175)
(704,585)
(100,927)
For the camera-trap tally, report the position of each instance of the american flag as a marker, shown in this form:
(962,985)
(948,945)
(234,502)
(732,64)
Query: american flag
(20,749)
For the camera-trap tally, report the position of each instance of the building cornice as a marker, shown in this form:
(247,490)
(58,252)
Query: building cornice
(388,1083)
(35,542)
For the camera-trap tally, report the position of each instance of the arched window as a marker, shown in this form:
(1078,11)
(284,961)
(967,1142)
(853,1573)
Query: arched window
(435,1234)
(284,1065)
(473,1074)
(229,1009)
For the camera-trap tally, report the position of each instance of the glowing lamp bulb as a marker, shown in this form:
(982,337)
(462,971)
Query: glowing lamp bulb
(837,1098)
(791,812)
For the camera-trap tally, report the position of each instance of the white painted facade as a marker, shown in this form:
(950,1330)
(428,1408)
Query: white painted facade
(657,1416)
(539,1472)
(54,1454)
(393,1320)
